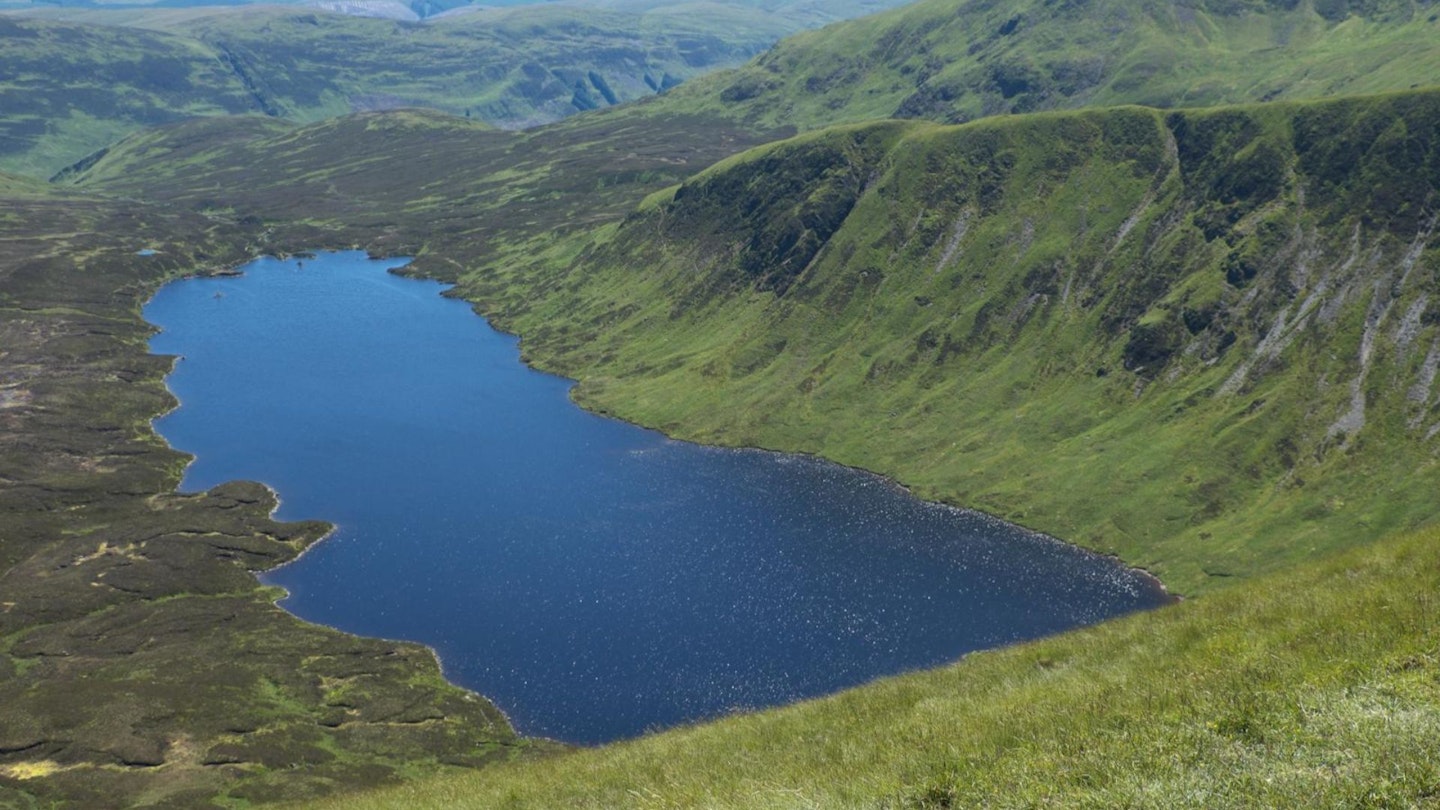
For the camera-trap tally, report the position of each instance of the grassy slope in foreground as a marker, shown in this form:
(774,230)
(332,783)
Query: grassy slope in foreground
(1319,686)
(957,60)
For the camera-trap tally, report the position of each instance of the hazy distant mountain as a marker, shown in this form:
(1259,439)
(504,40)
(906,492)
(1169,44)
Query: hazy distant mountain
(79,78)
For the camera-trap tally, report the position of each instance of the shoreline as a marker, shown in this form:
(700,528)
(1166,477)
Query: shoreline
(605,414)
(234,271)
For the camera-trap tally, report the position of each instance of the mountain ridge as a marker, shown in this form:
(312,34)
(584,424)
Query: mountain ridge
(958,61)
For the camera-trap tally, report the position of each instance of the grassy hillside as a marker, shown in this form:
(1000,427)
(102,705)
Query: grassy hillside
(68,90)
(1206,332)
(958,60)
(1202,341)
(1317,688)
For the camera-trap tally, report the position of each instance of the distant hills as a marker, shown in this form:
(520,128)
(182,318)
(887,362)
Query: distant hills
(77,80)
(81,78)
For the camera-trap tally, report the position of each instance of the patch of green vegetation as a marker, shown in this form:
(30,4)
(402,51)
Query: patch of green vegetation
(1320,683)
(14,185)
(68,90)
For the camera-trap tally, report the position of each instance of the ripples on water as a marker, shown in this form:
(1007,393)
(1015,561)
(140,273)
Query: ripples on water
(595,579)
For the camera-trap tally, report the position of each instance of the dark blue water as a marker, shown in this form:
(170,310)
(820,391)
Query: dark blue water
(595,579)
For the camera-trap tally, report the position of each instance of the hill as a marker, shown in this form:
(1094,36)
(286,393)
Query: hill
(1201,339)
(1189,339)
(72,89)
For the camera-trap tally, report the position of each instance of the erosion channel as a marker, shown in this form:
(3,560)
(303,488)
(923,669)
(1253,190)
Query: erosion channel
(595,579)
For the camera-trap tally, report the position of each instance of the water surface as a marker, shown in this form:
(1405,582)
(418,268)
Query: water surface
(594,579)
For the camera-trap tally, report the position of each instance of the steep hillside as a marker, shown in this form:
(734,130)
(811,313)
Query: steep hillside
(1204,341)
(958,60)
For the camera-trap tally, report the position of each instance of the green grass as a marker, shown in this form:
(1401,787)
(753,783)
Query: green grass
(14,185)
(1319,686)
